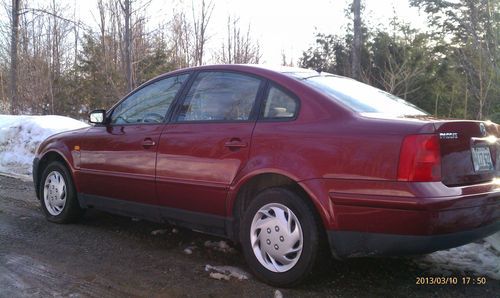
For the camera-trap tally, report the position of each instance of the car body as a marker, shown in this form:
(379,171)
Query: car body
(376,182)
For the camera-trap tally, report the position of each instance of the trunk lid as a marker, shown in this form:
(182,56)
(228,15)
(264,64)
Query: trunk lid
(469,151)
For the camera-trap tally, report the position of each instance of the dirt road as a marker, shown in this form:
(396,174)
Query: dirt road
(108,256)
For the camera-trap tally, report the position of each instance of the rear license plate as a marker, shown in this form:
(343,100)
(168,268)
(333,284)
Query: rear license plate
(481,157)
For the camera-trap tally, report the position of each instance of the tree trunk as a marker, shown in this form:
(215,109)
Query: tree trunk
(356,42)
(128,45)
(13,55)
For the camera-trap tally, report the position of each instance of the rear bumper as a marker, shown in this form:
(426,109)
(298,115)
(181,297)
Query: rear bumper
(364,217)
(346,244)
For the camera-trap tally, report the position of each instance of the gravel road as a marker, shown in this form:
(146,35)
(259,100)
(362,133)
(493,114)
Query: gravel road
(108,256)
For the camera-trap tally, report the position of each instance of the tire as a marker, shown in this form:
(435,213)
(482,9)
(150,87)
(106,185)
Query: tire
(281,238)
(58,196)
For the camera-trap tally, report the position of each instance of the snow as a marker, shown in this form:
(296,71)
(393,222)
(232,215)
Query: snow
(158,232)
(480,258)
(221,246)
(20,136)
(226,272)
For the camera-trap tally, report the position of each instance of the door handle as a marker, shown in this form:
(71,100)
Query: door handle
(148,142)
(235,144)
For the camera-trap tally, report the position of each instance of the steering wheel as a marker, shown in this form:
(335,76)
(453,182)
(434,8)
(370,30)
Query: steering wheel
(152,118)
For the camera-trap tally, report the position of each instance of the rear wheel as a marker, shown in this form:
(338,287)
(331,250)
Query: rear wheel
(281,237)
(58,195)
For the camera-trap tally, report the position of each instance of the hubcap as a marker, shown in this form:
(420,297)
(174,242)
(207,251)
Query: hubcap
(276,237)
(54,193)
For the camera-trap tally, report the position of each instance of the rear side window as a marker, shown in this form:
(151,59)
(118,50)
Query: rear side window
(360,97)
(279,105)
(150,103)
(220,96)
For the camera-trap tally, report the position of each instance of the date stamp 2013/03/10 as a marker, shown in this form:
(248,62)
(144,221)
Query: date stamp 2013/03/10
(451,280)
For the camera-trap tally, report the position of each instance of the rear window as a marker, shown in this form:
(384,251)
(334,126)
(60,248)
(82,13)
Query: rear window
(360,97)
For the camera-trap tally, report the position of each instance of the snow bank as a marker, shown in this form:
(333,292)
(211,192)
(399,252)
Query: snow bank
(481,259)
(20,136)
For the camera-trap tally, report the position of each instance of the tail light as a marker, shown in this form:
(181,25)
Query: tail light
(420,158)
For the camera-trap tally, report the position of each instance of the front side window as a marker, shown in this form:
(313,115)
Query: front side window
(220,96)
(149,104)
(279,105)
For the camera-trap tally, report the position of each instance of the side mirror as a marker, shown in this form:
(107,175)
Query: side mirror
(97,117)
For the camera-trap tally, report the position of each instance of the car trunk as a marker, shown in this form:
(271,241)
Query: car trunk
(469,151)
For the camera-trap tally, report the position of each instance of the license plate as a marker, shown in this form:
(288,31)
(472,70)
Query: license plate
(481,158)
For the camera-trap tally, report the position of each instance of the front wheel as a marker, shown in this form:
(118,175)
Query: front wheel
(281,237)
(58,195)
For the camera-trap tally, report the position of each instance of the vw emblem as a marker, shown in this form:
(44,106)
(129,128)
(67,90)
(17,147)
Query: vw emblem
(482,129)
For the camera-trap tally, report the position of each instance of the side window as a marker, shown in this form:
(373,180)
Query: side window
(279,105)
(220,96)
(149,104)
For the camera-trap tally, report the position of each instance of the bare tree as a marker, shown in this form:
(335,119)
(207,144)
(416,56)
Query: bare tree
(14,36)
(180,42)
(127,14)
(356,42)
(200,24)
(239,48)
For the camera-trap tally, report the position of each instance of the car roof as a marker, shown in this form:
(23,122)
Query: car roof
(258,69)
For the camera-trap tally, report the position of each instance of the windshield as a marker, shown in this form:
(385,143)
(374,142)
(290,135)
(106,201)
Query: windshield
(361,97)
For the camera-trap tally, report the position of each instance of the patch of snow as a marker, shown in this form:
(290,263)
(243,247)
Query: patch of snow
(228,271)
(278,294)
(175,231)
(494,241)
(158,232)
(479,258)
(219,246)
(20,136)
(189,250)
(219,276)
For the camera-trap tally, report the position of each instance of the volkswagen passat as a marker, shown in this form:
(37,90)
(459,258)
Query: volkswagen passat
(291,163)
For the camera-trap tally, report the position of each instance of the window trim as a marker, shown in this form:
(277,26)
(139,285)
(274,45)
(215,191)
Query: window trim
(170,109)
(292,95)
(253,113)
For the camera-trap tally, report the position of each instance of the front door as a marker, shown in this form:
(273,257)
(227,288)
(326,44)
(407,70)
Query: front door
(206,144)
(118,159)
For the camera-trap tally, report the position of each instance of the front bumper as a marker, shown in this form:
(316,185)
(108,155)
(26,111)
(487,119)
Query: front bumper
(346,244)
(36,162)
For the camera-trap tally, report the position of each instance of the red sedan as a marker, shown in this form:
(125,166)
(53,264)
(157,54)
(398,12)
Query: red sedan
(291,163)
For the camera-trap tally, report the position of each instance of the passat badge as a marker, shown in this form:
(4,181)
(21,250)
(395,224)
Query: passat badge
(448,135)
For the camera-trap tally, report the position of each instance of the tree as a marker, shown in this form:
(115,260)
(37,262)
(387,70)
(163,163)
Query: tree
(330,54)
(13,55)
(470,30)
(239,48)
(356,42)
(127,13)
(200,24)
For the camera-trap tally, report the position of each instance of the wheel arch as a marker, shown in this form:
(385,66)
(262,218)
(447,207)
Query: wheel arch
(252,184)
(46,159)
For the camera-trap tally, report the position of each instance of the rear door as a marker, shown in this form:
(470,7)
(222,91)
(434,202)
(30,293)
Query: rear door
(118,159)
(206,144)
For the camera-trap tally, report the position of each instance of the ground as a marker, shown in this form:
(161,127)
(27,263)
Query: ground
(105,255)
